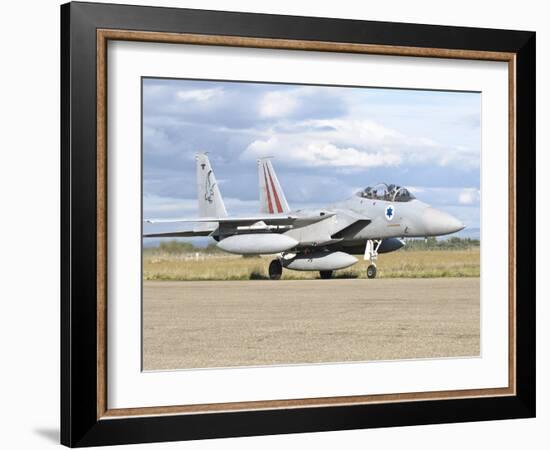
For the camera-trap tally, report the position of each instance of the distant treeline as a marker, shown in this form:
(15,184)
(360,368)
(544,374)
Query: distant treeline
(178,247)
(431,243)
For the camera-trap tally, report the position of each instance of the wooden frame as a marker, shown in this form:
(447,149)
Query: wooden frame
(86,419)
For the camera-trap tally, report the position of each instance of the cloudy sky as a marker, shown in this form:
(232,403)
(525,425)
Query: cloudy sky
(327,143)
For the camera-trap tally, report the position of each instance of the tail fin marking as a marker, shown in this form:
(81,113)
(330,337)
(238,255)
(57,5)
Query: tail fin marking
(269,204)
(277,201)
(272,197)
(209,196)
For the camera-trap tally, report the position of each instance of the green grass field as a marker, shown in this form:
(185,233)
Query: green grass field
(170,266)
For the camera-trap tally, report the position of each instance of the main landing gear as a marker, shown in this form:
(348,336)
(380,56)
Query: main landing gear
(371,253)
(275,270)
(325,274)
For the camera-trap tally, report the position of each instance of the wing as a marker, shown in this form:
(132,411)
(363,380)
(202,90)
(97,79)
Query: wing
(295,220)
(180,234)
(350,223)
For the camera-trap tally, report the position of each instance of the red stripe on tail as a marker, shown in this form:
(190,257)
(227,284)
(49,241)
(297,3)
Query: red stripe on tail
(269,204)
(278,203)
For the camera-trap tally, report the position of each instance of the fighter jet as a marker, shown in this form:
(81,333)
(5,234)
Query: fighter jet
(374,221)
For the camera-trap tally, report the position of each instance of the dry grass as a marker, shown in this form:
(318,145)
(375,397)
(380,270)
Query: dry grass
(400,264)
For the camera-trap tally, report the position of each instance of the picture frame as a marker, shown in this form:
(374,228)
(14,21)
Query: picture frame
(86,418)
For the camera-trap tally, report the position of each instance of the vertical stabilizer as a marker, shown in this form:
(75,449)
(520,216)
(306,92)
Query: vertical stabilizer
(272,197)
(210,199)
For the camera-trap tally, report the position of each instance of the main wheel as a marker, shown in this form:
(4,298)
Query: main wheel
(371,271)
(275,270)
(325,274)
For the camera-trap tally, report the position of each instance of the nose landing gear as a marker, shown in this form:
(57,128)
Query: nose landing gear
(371,271)
(371,253)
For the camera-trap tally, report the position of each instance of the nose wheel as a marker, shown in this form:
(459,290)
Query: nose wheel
(371,254)
(371,271)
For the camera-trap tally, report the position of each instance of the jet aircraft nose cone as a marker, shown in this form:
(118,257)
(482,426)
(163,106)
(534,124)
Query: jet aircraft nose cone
(438,222)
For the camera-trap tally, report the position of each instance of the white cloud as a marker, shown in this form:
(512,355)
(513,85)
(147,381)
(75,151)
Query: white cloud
(365,131)
(468,196)
(442,195)
(155,206)
(353,144)
(198,95)
(152,90)
(159,207)
(277,104)
(317,153)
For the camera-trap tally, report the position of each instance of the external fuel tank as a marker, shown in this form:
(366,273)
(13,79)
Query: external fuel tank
(319,261)
(257,243)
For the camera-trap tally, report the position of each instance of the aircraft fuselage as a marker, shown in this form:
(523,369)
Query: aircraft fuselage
(386,220)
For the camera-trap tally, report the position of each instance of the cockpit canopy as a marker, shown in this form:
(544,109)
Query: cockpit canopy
(387,192)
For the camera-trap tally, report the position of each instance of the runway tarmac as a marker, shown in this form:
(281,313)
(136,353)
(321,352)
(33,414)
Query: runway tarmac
(249,323)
